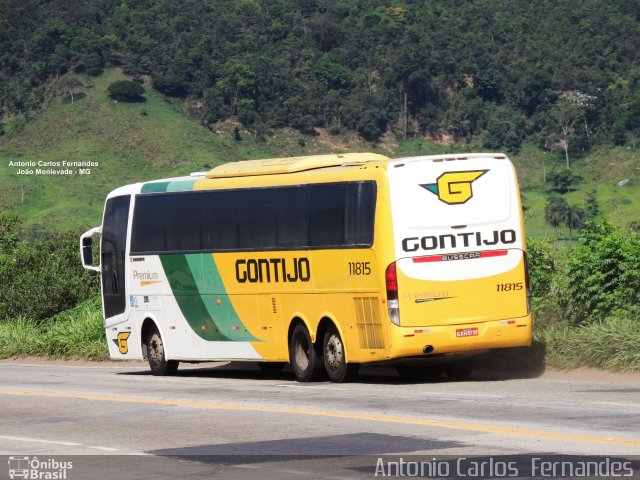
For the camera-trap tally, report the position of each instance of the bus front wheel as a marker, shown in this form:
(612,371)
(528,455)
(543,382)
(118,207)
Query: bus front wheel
(156,355)
(335,360)
(303,355)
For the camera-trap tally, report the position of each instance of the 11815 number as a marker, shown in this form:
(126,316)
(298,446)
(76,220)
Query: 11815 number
(509,287)
(359,268)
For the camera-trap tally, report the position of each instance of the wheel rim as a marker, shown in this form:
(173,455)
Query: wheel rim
(156,349)
(302,353)
(334,353)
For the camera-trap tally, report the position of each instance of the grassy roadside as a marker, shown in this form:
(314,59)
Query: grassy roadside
(612,344)
(76,333)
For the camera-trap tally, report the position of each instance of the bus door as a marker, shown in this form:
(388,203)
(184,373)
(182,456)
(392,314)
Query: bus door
(112,259)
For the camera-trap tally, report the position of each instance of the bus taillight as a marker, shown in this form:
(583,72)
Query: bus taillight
(391,281)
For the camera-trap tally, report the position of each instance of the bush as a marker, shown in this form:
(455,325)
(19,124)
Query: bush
(41,277)
(563,181)
(171,85)
(545,262)
(126,91)
(542,267)
(602,276)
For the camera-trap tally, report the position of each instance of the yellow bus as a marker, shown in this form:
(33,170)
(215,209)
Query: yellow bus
(323,262)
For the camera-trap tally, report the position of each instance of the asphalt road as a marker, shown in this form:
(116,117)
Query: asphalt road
(232,421)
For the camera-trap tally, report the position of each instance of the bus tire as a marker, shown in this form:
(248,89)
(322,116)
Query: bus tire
(334,357)
(305,360)
(156,356)
(460,370)
(271,368)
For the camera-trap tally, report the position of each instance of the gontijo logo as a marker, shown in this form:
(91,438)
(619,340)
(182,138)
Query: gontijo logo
(454,188)
(121,342)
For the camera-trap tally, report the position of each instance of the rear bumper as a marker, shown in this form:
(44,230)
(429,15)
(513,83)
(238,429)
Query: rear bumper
(411,341)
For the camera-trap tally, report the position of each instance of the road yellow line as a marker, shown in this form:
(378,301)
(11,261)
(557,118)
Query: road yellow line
(416,421)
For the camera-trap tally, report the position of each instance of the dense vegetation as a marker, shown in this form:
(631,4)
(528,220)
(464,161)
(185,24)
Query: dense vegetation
(586,300)
(567,72)
(42,277)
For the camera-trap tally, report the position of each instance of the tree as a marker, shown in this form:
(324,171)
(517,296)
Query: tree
(238,82)
(558,212)
(71,85)
(367,114)
(488,84)
(574,218)
(172,85)
(555,211)
(568,112)
(126,91)
(592,208)
(563,181)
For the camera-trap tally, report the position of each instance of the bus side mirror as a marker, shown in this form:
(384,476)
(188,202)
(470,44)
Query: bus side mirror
(86,249)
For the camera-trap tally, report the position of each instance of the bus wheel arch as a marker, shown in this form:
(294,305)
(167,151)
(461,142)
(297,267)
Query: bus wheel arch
(305,356)
(153,349)
(334,352)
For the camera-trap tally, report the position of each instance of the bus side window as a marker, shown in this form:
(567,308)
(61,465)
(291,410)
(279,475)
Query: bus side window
(326,216)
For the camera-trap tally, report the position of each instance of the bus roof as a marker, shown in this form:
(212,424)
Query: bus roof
(273,166)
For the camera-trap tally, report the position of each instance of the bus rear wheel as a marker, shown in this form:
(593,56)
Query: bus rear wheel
(156,355)
(335,360)
(303,355)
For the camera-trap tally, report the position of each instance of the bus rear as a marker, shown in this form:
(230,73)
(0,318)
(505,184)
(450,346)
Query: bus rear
(459,280)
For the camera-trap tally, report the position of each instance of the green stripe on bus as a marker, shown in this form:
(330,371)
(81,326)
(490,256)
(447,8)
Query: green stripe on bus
(154,187)
(190,277)
(180,186)
(189,300)
(206,275)
(175,186)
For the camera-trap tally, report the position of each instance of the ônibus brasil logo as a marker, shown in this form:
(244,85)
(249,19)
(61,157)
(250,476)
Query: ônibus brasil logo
(34,468)
(454,188)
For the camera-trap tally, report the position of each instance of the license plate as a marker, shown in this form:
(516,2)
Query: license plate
(467,332)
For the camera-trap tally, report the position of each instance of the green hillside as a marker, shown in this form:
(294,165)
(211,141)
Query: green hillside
(131,142)
(601,170)
(135,142)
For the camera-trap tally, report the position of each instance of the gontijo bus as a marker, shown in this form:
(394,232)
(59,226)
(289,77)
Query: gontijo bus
(324,262)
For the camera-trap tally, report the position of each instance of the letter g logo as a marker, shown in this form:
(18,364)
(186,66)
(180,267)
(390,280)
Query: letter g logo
(454,188)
